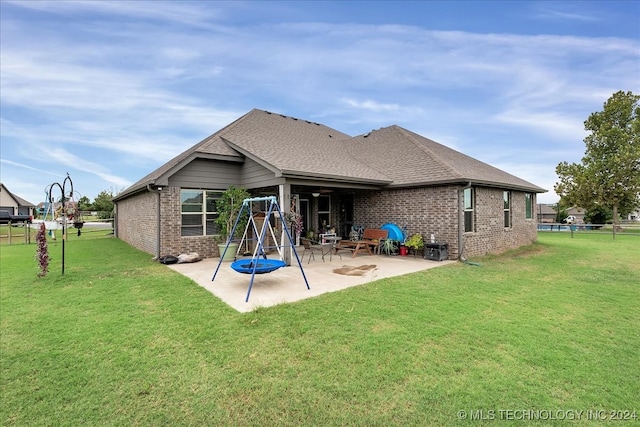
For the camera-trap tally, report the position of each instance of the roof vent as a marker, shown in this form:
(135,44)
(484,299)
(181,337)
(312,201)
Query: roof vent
(366,134)
(268,112)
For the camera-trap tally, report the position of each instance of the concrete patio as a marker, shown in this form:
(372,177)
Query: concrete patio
(287,284)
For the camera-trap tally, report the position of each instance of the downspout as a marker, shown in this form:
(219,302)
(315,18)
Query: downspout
(461,239)
(157,219)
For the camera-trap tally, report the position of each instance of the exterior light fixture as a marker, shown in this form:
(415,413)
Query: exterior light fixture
(315,194)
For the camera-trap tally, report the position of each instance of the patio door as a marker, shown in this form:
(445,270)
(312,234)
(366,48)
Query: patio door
(306,217)
(346,214)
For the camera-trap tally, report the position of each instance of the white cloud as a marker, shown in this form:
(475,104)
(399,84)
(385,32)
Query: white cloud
(191,13)
(30,168)
(553,125)
(556,11)
(71,160)
(115,96)
(370,105)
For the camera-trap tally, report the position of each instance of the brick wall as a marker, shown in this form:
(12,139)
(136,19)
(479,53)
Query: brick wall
(137,221)
(421,210)
(172,242)
(435,210)
(490,235)
(137,224)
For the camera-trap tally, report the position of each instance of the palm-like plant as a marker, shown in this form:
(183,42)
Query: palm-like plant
(388,246)
(229,206)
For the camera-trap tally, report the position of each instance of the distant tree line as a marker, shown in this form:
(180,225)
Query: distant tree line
(103,204)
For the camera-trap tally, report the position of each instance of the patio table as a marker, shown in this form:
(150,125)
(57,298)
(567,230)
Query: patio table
(331,241)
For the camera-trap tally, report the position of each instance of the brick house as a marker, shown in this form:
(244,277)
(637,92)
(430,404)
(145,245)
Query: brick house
(334,180)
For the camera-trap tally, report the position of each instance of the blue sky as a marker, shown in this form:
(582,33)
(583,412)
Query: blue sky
(109,91)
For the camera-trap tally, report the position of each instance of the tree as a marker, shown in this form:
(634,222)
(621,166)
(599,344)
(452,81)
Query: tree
(599,215)
(84,204)
(561,214)
(609,175)
(103,203)
(229,206)
(561,210)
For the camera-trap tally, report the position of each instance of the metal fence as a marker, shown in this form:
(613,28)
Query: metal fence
(623,228)
(23,233)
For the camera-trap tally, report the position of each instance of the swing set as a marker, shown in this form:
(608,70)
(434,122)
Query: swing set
(259,263)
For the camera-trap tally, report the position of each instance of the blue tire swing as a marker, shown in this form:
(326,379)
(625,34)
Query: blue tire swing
(247,266)
(259,263)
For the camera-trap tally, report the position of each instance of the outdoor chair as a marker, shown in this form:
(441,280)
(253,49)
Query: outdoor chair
(311,248)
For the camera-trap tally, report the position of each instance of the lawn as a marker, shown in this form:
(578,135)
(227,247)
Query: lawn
(542,332)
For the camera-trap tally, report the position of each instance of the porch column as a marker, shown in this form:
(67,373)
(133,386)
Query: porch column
(284,197)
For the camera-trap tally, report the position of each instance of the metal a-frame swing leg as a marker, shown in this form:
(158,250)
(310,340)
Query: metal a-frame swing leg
(273,203)
(233,231)
(259,249)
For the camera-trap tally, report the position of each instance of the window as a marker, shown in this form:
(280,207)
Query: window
(468,203)
(506,196)
(324,212)
(198,212)
(528,205)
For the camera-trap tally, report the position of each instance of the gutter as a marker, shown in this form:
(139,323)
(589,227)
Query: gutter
(157,191)
(461,220)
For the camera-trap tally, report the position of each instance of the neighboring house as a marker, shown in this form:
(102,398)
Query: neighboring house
(332,179)
(14,204)
(546,213)
(577,213)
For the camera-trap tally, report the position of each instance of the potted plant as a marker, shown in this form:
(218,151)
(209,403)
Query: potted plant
(229,206)
(389,247)
(415,243)
(294,220)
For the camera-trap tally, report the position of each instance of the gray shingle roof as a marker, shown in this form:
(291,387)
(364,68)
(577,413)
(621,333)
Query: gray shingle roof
(299,147)
(546,209)
(411,159)
(288,146)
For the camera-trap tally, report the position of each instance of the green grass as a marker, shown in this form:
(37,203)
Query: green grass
(120,340)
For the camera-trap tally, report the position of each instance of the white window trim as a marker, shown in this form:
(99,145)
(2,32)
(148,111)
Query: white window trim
(203,213)
(507,210)
(531,206)
(472,194)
